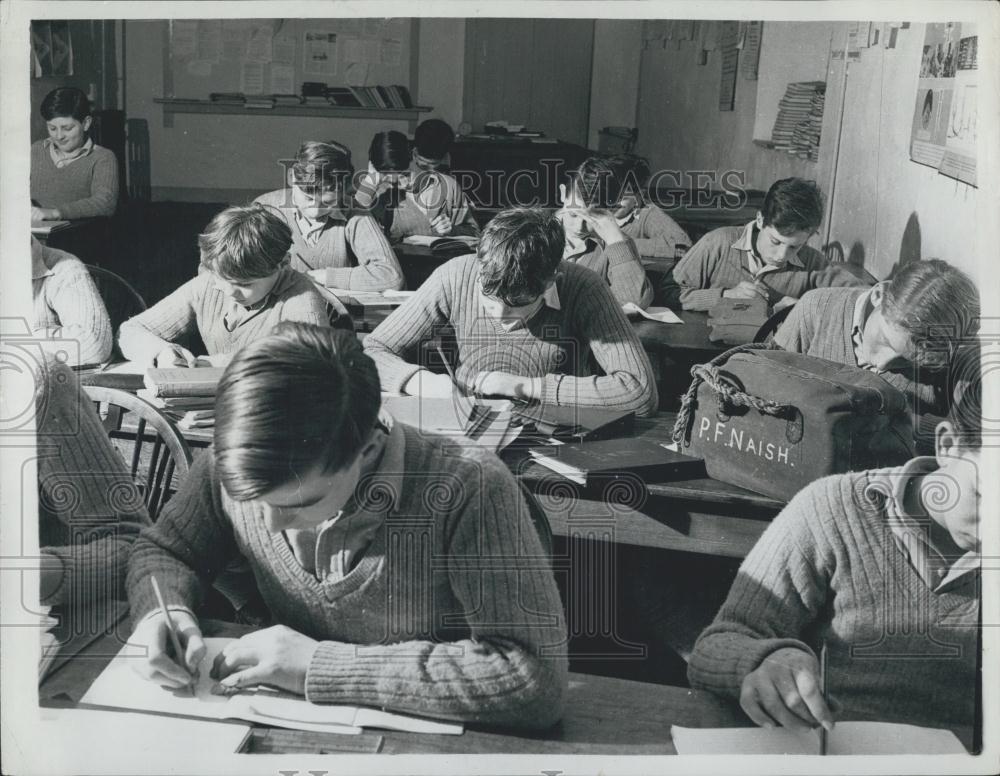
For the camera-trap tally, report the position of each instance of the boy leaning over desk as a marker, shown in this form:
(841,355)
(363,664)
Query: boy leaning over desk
(404,575)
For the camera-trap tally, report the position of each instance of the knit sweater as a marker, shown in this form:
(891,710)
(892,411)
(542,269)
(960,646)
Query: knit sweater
(619,265)
(718,261)
(655,234)
(352,249)
(199,306)
(452,611)
(432,193)
(67,308)
(556,344)
(820,325)
(829,569)
(89,509)
(86,188)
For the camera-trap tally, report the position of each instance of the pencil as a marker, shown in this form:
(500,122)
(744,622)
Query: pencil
(822,689)
(308,265)
(451,372)
(174,638)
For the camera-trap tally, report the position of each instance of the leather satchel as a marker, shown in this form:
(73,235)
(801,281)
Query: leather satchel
(773,421)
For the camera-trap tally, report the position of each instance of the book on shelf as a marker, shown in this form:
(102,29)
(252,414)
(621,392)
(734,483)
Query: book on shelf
(287,99)
(237,98)
(260,102)
(342,96)
(179,381)
(120,687)
(587,462)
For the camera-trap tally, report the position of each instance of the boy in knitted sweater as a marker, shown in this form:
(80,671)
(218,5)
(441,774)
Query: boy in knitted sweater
(766,258)
(880,566)
(526,325)
(405,574)
(594,238)
(906,329)
(244,287)
(71,176)
(336,247)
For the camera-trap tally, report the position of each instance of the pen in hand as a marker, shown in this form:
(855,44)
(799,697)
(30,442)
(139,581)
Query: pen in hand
(822,689)
(174,637)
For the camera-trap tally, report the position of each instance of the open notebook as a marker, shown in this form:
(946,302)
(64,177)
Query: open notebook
(845,738)
(120,687)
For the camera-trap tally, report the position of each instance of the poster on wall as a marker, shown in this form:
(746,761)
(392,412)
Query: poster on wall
(935,91)
(960,134)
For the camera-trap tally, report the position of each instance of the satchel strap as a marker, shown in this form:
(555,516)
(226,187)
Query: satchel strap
(728,394)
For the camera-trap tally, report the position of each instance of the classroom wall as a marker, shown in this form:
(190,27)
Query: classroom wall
(884,207)
(235,157)
(614,83)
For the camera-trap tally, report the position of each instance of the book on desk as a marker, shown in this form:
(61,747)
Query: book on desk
(452,245)
(587,462)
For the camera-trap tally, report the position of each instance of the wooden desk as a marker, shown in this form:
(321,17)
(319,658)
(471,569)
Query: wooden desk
(603,715)
(43,230)
(690,337)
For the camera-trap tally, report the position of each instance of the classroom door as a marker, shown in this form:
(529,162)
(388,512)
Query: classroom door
(530,71)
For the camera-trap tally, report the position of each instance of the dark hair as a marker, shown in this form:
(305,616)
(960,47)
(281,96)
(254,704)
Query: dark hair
(300,397)
(936,304)
(793,205)
(245,243)
(633,175)
(390,152)
(519,251)
(322,166)
(966,393)
(65,101)
(433,138)
(598,183)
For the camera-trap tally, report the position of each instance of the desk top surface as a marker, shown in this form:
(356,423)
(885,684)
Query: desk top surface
(599,716)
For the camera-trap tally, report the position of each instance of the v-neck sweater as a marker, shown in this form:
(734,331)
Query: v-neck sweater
(452,612)
(84,189)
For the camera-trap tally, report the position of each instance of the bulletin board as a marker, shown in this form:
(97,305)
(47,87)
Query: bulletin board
(275,56)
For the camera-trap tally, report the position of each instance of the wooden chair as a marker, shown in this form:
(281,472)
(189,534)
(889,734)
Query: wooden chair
(120,299)
(151,445)
(770,326)
(538,518)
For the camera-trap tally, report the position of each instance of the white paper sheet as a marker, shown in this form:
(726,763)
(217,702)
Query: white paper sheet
(659,314)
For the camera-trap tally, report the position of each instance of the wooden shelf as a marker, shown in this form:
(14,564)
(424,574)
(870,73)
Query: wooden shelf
(172,106)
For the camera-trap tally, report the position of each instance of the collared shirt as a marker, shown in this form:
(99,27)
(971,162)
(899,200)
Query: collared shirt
(757,266)
(863,307)
(61,159)
(311,230)
(912,532)
(237,314)
(333,548)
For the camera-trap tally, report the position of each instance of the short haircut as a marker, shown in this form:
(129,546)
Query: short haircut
(390,152)
(966,387)
(322,166)
(302,397)
(936,304)
(633,173)
(519,251)
(245,243)
(598,183)
(433,138)
(793,205)
(66,101)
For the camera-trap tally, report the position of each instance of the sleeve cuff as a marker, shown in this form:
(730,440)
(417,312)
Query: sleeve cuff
(621,252)
(335,674)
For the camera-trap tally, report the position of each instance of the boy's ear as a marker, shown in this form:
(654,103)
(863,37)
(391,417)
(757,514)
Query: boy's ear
(945,441)
(87,121)
(760,220)
(876,295)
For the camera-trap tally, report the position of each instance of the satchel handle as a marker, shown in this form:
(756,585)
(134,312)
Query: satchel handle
(709,373)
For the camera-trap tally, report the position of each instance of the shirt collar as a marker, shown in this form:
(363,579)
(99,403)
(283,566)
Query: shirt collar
(61,159)
(863,307)
(745,243)
(911,532)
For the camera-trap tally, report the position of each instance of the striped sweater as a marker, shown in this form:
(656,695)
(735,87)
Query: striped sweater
(69,314)
(84,189)
(199,307)
(820,325)
(352,249)
(556,344)
(718,261)
(619,264)
(451,612)
(655,234)
(89,509)
(830,569)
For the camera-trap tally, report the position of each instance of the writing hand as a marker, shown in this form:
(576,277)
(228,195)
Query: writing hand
(745,289)
(784,690)
(175,356)
(508,385)
(441,224)
(160,664)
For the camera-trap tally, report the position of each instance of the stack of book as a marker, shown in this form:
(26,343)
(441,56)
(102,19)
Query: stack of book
(186,396)
(805,140)
(797,108)
(228,98)
(373,96)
